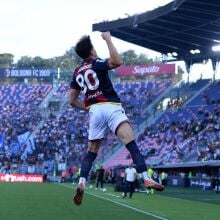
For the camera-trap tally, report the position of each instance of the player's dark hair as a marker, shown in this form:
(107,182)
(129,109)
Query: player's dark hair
(83,47)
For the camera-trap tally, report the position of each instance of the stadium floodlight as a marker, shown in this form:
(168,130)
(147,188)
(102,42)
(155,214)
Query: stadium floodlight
(217,41)
(196,51)
(216,48)
(175,54)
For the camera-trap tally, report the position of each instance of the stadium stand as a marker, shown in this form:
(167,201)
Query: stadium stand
(19,114)
(57,138)
(167,137)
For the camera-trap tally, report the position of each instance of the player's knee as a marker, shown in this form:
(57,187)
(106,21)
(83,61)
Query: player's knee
(126,137)
(94,146)
(93,149)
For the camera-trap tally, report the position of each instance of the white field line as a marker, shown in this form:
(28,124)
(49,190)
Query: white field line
(122,204)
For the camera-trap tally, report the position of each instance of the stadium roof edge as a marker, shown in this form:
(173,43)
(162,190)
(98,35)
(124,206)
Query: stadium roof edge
(124,22)
(181,26)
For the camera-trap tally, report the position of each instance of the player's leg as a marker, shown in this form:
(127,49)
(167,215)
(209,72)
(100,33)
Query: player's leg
(97,183)
(125,134)
(131,189)
(97,130)
(118,123)
(86,166)
(125,189)
(88,159)
(101,183)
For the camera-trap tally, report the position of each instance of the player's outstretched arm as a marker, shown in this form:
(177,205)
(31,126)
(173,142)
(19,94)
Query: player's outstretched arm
(74,100)
(114,60)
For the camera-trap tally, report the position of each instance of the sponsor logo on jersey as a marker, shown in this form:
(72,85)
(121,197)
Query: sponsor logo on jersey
(95,95)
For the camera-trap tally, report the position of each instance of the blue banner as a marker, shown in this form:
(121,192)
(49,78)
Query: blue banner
(26,73)
(22,138)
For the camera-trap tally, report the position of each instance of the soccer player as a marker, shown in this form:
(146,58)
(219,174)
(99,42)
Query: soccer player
(105,110)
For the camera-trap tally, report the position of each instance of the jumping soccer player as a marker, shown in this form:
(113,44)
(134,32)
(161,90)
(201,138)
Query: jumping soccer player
(104,106)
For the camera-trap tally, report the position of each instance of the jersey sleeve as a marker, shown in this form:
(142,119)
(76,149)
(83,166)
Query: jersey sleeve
(100,64)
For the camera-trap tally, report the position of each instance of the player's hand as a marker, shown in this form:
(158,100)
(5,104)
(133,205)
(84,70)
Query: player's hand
(106,36)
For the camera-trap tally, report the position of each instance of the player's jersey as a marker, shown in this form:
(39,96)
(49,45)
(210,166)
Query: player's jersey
(92,79)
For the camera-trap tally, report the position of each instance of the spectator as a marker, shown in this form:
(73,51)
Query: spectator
(130,177)
(100,177)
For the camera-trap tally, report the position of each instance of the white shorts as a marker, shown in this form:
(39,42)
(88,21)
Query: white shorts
(104,116)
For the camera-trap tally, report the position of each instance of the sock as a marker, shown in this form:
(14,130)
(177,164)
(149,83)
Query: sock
(82,180)
(136,156)
(145,175)
(86,165)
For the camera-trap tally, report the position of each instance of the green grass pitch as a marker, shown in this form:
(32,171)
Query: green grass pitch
(19,201)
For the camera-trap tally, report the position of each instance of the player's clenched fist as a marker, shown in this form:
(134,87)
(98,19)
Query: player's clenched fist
(106,36)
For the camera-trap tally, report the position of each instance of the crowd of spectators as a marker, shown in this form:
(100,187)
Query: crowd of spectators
(172,141)
(19,113)
(63,137)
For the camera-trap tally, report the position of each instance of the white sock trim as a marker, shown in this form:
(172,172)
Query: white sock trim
(145,175)
(82,180)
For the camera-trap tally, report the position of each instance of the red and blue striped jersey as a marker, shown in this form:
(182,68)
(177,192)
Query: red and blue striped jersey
(93,80)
